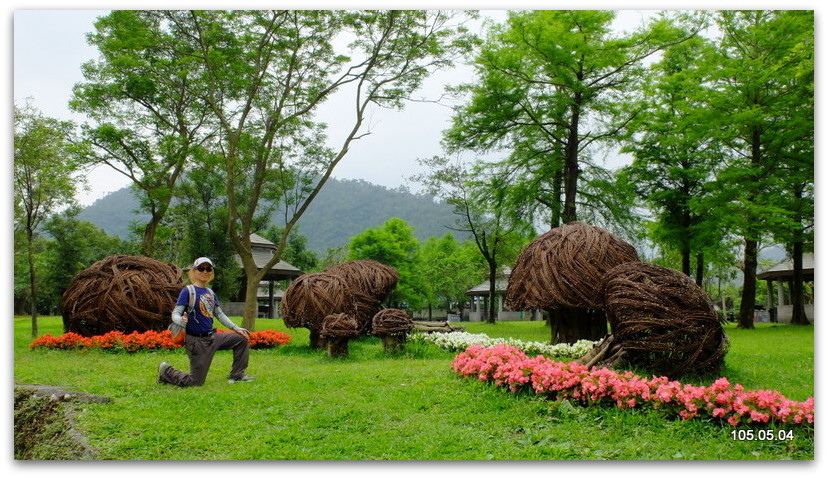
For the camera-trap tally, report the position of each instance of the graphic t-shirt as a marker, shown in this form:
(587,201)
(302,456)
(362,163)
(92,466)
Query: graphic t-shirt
(199,320)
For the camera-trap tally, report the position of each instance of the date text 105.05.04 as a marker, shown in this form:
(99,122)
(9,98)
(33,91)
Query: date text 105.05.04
(761,434)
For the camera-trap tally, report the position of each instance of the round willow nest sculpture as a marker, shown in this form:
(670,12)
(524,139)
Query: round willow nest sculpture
(391,322)
(564,268)
(121,293)
(337,330)
(370,282)
(365,306)
(312,297)
(661,320)
(368,276)
(392,325)
(340,326)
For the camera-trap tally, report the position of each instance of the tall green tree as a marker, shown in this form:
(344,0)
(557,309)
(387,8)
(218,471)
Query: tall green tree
(73,245)
(479,205)
(553,85)
(394,244)
(296,250)
(262,76)
(43,181)
(198,221)
(142,97)
(675,160)
(796,71)
(764,124)
(450,269)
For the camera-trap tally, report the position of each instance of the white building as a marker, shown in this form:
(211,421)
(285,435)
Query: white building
(779,278)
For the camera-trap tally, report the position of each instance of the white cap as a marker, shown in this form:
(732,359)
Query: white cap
(201,260)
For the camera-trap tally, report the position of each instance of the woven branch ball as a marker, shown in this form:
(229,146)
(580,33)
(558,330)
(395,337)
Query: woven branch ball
(662,320)
(371,282)
(368,276)
(312,297)
(343,326)
(121,293)
(365,307)
(563,268)
(391,322)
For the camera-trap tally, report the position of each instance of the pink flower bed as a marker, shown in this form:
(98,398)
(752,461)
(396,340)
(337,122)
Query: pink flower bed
(149,340)
(507,366)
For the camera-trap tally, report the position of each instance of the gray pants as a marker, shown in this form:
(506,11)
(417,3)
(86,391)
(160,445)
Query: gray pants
(201,351)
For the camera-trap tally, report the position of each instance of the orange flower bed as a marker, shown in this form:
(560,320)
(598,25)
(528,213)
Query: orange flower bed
(150,340)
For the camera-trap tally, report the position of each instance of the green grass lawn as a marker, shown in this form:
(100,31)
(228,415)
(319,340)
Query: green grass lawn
(410,406)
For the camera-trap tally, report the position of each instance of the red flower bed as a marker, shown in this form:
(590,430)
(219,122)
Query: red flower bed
(150,340)
(509,367)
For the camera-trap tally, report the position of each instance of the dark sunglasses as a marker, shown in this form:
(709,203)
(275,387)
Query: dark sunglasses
(205,269)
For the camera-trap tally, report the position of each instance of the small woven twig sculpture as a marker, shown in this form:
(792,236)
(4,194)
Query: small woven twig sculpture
(340,326)
(564,267)
(123,293)
(392,326)
(391,322)
(337,330)
(661,320)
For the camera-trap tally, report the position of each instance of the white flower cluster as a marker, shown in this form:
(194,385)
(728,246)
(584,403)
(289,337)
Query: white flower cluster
(461,340)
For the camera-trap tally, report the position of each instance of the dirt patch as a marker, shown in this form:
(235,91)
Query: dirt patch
(44,423)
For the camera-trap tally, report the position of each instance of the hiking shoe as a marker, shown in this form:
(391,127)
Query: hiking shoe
(162,369)
(244,378)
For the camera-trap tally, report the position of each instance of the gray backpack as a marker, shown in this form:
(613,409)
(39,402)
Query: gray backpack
(178,332)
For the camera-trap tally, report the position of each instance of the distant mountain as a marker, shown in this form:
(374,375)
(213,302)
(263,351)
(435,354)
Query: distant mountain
(343,209)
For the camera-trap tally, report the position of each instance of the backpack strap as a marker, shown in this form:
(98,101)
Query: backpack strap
(192,292)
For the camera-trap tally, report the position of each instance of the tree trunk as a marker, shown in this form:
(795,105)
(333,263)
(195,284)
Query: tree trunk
(393,343)
(746,310)
(316,341)
(699,269)
(492,292)
(571,325)
(148,240)
(798,316)
(337,347)
(572,169)
(557,188)
(251,303)
(32,280)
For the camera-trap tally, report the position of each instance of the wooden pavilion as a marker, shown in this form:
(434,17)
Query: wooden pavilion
(479,300)
(262,251)
(779,299)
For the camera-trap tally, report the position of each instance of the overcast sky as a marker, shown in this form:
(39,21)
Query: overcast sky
(50,46)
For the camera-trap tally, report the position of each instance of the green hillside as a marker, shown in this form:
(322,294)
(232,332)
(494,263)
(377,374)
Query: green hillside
(343,209)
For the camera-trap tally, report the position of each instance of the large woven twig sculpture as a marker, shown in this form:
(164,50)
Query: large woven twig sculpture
(370,282)
(564,267)
(368,276)
(123,293)
(312,297)
(355,288)
(660,320)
